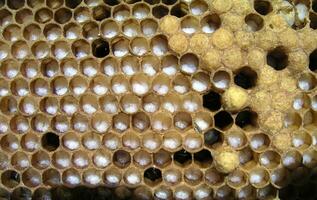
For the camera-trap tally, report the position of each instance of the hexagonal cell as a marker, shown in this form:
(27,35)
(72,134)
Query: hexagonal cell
(245,77)
(121,122)
(12,32)
(159,11)
(9,143)
(152,141)
(120,47)
(23,192)
(181,83)
(131,141)
(212,101)
(42,193)
(213,137)
(31,178)
(159,45)
(223,120)
(80,48)
(72,3)
(162,158)
(182,157)
(247,120)
(132,177)
(130,28)
(72,31)
(236,139)
(277,58)
(100,12)
(149,27)
(190,25)
(91,141)
(121,13)
(62,15)
(6,17)
(259,142)
(180,10)
(10,178)
(82,15)
(254,22)
(259,177)
(142,159)
(189,63)
(51,177)
(203,158)
(152,176)
(50,141)
(172,176)
(121,159)
(52,32)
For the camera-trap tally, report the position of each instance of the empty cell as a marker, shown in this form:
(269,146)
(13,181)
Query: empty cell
(277,58)
(72,3)
(121,159)
(213,137)
(203,158)
(254,22)
(121,13)
(91,141)
(190,25)
(162,158)
(152,176)
(82,15)
(10,178)
(159,45)
(149,27)
(50,141)
(189,63)
(121,122)
(52,32)
(245,77)
(212,101)
(182,157)
(259,142)
(120,47)
(263,7)
(223,120)
(12,33)
(159,11)
(151,142)
(60,50)
(62,15)
(51,177)
(213,177)
(180,10)
(131,141)
(247,120)
(8,105)
(313,19)
(43,15)
(142,158)
(224,192)
(109,104)
(140,121)
(72,31)
(80,49)
(109,66)
(100,48)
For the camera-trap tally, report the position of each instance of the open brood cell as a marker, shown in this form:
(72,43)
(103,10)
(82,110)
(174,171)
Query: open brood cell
(163,99)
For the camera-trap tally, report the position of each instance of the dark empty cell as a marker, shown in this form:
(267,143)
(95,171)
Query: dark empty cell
(277,58)
(152,2)
(101,12)
(159,11)
(162,158)
(245,78)
(313,20)
(112,2)
(223,120)
(254,22)
(50,141)
(203,157)
(100,48)
(62,15)
(182,157)
(314,6)
(212,101)
(10,178)
(121,158)
(153,174)
(212,137)
(42,194)
(21,193)
(15,4)
(313,61)
(169,2)
(246,119)
(180,10)
(72,3)
(263,7)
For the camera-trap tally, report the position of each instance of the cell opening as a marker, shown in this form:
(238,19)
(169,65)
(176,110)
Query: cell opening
(50,141)
(162,158)
(15,4)
(121,158)
(180,10)
(10,178)
(63,15)
(213,137)
(254,22)
(182,157)
(313,20)
(245,78)
(246,120)
(210,23)
(153,175)
(277,58)
(212,101)
(223,120)
(100,48)
(72,3)
(100,13)
(263,7)
(203,158)
(313,61)
(159,11)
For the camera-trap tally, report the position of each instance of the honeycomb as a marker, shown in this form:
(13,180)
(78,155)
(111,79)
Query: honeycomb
(158,99)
